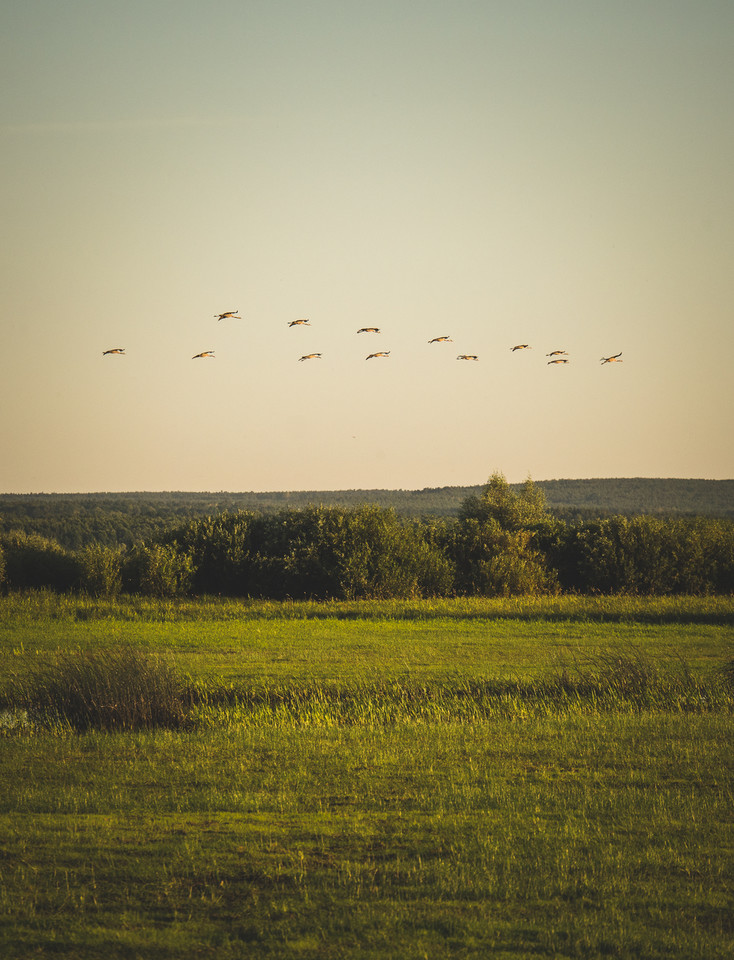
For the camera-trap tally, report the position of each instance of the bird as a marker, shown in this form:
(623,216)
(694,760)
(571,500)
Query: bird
(309,356)
(369,330)
(299,323)
(118,350)
(559,360)
(555,353)
(521,346)
(441,340)
(467,356)
(227,314)
(381,353)
(614,359)
(205,355)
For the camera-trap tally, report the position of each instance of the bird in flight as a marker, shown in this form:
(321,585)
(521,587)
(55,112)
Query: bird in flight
(204,355)
(467,356)
(614,359)
(559,360)
(441,340)
(369,330)
(118,350)
(227,314)
(381,353)
(521,346)
(299,323)
(309,356)
(556,353)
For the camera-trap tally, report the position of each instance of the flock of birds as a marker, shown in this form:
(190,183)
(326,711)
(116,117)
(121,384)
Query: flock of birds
(557,356)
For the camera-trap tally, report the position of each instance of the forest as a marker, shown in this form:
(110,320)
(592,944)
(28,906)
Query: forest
(501,540)
(116,519)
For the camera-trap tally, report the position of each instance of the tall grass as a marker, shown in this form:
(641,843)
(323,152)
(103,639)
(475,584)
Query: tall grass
(127,689)
(45,604)
(111,689)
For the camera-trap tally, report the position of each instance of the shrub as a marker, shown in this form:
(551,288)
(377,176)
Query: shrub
(32,561)
(159,570)
(101,570)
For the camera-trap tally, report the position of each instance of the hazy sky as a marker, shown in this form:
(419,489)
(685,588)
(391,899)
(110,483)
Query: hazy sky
(550,172)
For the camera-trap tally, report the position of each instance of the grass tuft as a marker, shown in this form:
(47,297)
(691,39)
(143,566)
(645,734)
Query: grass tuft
(113,689)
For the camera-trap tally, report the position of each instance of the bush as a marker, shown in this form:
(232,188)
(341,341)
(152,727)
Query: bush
(32,561)
(101,570)
(317,553)
(159,570)
(122,689)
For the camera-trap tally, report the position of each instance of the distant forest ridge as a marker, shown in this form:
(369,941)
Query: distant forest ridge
(595,496)
(116,518)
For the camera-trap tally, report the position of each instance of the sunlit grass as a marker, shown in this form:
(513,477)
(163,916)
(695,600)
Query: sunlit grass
(48,605)
(373,786)
(570,835)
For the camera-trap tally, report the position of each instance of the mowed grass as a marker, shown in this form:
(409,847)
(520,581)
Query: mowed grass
(532,828)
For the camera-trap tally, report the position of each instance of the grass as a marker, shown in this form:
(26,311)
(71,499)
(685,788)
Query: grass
(374,786)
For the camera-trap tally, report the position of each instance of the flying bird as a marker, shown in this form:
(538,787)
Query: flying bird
(299,323)
(309,356)
(441,340)
(559,360)
(467,356)
(118,350)
(556,353)
(205,354)
(614,359)
(381,353)
(369,330)
(521,346)
(227,314)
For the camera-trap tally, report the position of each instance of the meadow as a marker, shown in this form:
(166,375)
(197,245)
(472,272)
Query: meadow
(463,778)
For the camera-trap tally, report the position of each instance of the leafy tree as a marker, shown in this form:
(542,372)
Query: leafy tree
(496,544)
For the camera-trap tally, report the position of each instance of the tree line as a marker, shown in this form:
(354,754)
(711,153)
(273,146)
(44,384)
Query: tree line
(116,519)
(504,542)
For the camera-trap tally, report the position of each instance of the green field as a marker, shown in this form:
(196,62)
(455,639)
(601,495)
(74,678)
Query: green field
(379,780)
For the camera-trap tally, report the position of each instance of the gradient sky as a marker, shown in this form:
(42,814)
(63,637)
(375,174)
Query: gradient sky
(551,172)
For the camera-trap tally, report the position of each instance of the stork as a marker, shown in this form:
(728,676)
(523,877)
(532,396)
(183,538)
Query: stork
(441,340)
(300,323)
(381,353)
(614,359)
(228,314)
(559,360)
(116,350)
(521,346)
(206,354)
(556,353)
(467,356)
(309,356)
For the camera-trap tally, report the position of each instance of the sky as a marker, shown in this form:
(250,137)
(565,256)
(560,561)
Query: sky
(549,172)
